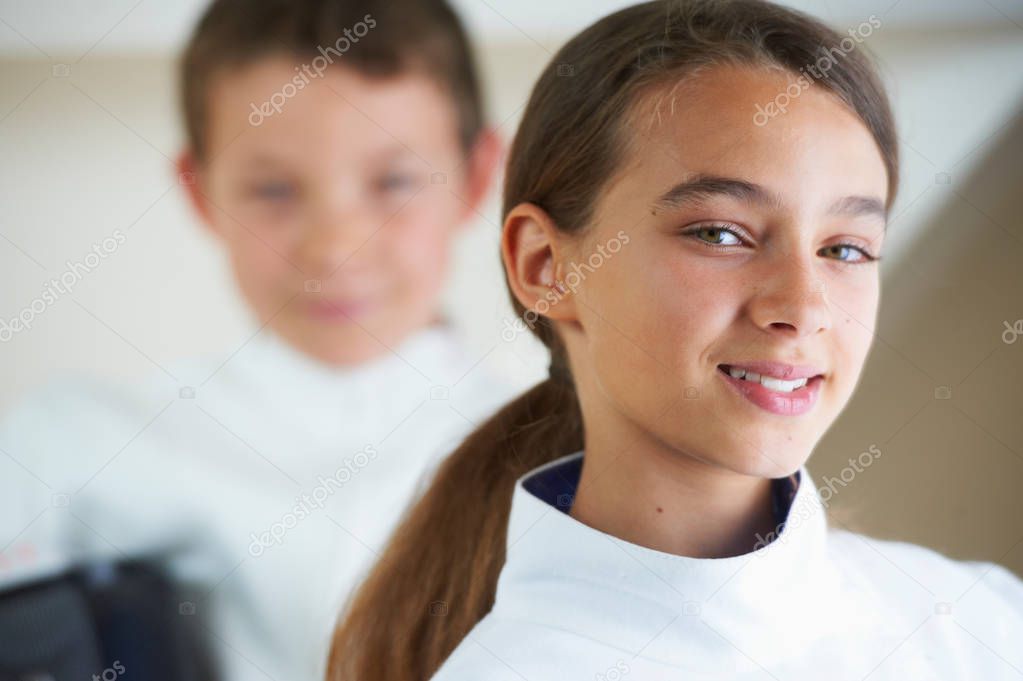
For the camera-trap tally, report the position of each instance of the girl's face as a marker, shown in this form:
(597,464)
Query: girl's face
(741,241)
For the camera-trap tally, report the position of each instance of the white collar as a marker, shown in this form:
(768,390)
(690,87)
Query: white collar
(320,400)
(430,356)
(770,603)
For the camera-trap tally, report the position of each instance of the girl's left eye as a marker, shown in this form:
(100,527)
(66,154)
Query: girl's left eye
(858,254)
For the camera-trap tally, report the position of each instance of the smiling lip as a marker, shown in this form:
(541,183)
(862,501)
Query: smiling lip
(787,372)
(793,403)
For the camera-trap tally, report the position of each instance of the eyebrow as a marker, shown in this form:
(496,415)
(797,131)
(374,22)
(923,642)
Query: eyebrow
(710,186)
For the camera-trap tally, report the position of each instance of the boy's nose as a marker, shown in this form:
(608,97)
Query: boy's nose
(334,241)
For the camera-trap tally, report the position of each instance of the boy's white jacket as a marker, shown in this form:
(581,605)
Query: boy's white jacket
(816,603)
(269,481)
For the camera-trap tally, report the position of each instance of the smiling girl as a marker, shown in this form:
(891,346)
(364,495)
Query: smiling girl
(663,524)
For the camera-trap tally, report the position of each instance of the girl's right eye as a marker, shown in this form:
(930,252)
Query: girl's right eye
(717,236)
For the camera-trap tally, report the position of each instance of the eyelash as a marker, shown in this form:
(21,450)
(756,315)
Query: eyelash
(868,257)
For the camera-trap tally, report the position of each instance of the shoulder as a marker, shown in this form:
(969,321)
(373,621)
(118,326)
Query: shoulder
(500,648)
(899,569)
(82,404)
(79,402)
(482,379)
(492,651)
(481,390)
(65,423)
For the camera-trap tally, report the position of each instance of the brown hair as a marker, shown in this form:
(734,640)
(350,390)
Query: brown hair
(438,576)
(424,36)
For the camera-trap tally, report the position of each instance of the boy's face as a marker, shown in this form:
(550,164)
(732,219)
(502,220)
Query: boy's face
(331,209)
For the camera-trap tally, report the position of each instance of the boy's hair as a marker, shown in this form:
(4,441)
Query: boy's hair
(381,38)
(438,576)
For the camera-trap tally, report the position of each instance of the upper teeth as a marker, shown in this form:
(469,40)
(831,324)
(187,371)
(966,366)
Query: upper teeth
(768,382)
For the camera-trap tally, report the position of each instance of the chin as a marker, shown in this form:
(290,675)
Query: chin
(770,460)
(347,353)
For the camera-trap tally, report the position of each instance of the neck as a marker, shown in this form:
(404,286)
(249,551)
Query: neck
(670,501)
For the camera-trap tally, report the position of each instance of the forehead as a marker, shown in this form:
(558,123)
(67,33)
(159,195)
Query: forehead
(708,124)
(340,111)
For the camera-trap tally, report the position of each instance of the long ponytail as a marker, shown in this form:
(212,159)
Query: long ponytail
(438,576)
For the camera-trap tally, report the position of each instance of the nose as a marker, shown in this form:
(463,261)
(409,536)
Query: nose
(337,235)
(791,300)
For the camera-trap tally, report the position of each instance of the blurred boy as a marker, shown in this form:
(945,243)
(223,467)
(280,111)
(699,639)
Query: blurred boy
(334,149)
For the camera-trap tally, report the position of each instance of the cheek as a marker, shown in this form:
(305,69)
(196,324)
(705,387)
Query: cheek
(673,307)
(257,267)
(418,252)
(855,300)
(654,314)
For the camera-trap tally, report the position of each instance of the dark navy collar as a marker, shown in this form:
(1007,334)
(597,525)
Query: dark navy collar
(556,485)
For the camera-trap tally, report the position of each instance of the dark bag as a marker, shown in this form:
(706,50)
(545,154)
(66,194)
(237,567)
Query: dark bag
(109,622)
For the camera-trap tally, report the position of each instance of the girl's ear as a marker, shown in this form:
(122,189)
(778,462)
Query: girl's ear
(532,250)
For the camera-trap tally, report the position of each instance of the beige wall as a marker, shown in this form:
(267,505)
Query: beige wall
(942,393)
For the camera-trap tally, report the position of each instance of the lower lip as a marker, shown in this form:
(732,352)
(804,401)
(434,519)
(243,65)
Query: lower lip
(338,312)
(795,403)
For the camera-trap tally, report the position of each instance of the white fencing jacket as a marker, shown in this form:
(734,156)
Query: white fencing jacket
(270,481)
(815,603)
